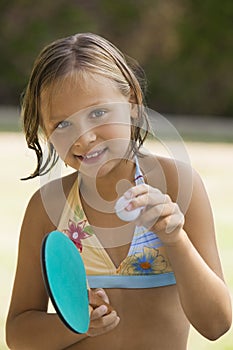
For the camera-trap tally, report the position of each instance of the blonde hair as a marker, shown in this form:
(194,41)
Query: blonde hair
(85,52)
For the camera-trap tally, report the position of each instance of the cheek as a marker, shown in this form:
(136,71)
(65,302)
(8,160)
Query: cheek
(118,138)
(62,143)
(117,132)
(62,148)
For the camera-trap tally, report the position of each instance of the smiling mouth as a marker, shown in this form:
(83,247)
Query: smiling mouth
(92,156)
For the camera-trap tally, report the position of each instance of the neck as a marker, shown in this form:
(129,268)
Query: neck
(113,185)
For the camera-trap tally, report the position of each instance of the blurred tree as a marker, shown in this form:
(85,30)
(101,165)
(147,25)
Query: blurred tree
(185,46)
(26,27)
(198,79)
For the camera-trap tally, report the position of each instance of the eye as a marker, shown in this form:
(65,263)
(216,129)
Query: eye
(98,113)
(62,125)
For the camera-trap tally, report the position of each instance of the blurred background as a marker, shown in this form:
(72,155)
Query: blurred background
(186,50)
(185,46)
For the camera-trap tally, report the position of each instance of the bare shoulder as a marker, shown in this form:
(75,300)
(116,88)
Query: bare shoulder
(185,186)
(46,204)
(170,176)
(181,182)
(40,217)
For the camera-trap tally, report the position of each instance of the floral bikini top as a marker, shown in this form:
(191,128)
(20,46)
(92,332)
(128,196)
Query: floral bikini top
(145,266)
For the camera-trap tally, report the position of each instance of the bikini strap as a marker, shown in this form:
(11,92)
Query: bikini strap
(139,179)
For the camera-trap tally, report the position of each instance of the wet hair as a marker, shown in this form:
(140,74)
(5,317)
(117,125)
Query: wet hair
(80,53)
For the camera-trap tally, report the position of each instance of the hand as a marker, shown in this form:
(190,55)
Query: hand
(160,214)
(99,297)
(103,318)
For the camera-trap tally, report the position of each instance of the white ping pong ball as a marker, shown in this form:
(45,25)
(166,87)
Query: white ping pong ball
(124,214)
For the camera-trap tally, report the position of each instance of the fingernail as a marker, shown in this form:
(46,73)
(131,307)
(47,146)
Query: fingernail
(99,293)
(129,206)
(104,309)
(128,194)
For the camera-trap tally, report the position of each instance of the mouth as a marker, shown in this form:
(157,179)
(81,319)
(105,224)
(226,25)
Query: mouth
(92,157)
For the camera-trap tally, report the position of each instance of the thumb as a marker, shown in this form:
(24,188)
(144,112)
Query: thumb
(101,293)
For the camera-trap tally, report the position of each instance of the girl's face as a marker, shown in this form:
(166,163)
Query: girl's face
(88,122)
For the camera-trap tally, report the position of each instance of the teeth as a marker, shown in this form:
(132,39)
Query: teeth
(93,155)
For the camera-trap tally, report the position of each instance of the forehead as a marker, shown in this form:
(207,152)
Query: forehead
(76,92)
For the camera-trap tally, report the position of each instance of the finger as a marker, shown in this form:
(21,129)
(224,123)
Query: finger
(151,198)
(99,312)
(104,320)
(95,300)
(101,293)
(92,332)
(164,217)
(167,225)
(151,215)
(136,190)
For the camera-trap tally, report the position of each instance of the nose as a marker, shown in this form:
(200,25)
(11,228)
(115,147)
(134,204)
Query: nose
(85,140)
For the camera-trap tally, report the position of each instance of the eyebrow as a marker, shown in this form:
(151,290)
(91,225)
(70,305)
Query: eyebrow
(56,119)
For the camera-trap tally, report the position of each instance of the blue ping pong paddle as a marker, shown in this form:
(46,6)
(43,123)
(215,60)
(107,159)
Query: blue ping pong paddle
(65,280)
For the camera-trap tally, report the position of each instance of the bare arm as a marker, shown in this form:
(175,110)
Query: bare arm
(29,326)
(195,260)
(192,251)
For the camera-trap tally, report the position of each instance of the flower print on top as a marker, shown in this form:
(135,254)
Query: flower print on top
(78,228)
(146,264)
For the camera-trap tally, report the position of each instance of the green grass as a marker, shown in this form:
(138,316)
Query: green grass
(214,163)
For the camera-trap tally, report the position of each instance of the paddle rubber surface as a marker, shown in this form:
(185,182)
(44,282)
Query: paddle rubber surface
(65,279)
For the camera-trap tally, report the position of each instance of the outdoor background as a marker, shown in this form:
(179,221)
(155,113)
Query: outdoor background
(186,50)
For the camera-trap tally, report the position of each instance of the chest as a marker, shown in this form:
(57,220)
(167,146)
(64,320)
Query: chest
(114,234)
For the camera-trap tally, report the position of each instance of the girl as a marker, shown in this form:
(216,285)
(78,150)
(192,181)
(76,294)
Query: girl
(161,272)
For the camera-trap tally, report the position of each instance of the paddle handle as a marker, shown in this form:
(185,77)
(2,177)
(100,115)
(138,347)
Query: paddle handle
(95,300)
